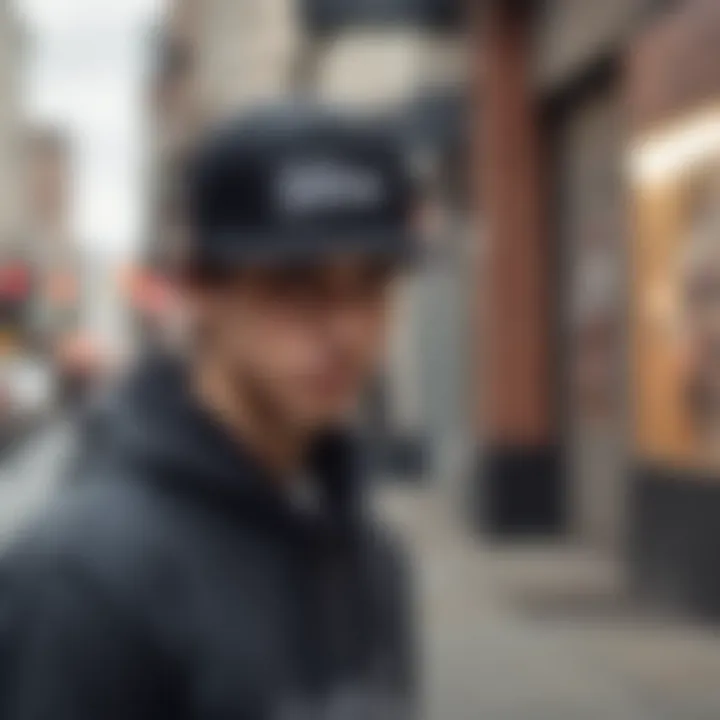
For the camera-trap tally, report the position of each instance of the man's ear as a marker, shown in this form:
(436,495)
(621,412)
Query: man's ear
(198,294)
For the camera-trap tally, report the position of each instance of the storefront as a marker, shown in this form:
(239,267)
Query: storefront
(674,165)
(436,129)
(588,229)
(552,372)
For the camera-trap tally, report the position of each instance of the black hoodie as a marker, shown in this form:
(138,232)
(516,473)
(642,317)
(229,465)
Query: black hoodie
(176,581)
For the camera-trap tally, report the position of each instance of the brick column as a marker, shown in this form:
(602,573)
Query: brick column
(519,487)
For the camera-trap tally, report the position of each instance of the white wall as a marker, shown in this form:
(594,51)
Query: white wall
(245,53)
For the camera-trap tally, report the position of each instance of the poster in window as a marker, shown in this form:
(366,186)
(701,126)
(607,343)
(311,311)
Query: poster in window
(677,281)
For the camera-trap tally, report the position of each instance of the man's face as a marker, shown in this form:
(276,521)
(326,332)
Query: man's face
(301,341)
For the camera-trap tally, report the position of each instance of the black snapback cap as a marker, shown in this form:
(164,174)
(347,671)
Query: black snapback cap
(298,182)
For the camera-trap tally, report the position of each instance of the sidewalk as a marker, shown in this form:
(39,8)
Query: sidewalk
(29,473)
(544,633)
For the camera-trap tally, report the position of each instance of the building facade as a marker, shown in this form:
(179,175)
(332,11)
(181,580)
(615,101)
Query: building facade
(11,51)
(47,172)
(596,385)
(49,239)
(213,58)
(216,57)
(15,274)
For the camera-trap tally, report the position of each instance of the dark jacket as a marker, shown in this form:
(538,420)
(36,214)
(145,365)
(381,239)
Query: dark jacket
(174,581)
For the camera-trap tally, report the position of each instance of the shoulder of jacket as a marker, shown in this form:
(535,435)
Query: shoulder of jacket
(110,534)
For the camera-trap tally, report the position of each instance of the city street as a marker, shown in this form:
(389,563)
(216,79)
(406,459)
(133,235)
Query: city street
(28,476)
(525,195)
(544,633)
(536,633)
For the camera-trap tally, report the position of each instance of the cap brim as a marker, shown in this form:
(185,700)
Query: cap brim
(242,250)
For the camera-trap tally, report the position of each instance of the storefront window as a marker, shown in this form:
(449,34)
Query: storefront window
(676,177)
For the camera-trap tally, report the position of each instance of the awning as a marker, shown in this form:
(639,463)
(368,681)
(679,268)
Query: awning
(323,17)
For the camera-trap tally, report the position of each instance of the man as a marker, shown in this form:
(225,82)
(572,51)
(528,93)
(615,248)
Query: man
(218,562)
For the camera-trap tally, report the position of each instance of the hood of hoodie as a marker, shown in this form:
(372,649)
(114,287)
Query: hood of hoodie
(157,430)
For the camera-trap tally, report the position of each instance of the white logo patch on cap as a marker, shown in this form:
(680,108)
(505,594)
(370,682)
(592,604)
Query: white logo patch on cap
(319,186)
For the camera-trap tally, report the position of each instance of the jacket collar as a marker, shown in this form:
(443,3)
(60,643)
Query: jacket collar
(160,430)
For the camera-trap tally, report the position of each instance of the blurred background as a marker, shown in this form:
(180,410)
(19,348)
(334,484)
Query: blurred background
(547,428)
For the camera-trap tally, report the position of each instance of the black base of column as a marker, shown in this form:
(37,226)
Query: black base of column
(520,492)
(675,540)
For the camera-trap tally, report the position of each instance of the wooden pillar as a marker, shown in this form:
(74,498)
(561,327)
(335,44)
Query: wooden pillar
(519,487)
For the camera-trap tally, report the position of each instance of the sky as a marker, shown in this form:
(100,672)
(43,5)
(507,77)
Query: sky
(86,68)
